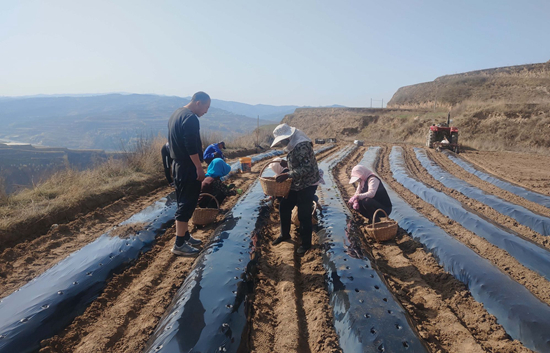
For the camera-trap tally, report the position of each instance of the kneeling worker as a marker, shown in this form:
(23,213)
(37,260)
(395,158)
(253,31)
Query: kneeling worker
(214,151)
(213,185)
(370,194)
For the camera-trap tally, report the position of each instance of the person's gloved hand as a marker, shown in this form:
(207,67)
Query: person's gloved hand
(216,155)
(283,163)
(230,186)
(282,177)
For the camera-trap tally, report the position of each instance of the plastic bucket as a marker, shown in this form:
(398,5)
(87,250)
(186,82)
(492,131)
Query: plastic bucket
(246,164)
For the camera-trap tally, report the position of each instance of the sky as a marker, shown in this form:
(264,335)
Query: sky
(295,52)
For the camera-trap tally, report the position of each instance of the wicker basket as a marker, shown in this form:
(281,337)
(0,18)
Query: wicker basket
(273,188)
(382,231)
(295,219)
(204,216)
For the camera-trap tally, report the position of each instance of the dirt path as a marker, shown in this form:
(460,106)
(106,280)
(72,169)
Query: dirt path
(291,311)
(444,312)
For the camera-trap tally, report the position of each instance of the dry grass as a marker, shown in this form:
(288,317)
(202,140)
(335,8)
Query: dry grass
(244,141)
(68,188)
(492,126)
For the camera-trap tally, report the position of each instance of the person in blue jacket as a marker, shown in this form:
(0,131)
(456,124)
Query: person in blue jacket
(214,151)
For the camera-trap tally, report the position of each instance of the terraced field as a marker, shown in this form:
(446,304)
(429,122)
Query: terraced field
(468,271)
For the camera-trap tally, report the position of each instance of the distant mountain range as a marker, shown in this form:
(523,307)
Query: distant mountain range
(107,121)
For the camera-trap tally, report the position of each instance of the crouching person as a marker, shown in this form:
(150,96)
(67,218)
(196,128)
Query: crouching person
(303,169)
(370,194)
(213,185)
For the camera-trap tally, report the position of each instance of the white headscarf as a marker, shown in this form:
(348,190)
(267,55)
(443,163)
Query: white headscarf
(297,137)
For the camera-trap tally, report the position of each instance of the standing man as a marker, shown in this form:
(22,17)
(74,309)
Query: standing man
(214,151)
(185,145)
(305,176)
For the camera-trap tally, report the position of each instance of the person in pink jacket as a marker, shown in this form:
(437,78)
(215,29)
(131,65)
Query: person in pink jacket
(370,194)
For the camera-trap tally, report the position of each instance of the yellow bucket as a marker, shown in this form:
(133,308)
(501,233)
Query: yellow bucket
(246,164)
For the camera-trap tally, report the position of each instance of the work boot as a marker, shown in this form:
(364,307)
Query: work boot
(184,250)
(280,239)
(193,241)
(302,249)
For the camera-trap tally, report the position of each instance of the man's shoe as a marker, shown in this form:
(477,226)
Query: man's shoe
(280,239)
(302,249)
(184,250)
(193,241)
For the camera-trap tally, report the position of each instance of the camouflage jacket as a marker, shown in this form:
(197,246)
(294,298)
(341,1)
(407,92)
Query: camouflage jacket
(303,166)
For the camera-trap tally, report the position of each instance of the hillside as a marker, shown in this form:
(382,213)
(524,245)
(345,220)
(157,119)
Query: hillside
(504,108)
(488,127)
(104,121)
(514,84)
(22,166)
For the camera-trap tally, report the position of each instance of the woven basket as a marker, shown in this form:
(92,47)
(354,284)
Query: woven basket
(295,219)
(273,188)
(382,231)
(204,216)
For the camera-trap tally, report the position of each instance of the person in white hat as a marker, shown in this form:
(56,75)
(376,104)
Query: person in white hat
(304,172)
(370,194)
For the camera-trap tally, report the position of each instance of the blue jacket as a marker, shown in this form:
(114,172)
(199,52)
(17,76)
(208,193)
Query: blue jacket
(210,150)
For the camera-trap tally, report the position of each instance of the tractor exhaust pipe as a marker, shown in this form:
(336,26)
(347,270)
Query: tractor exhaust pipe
(449,119)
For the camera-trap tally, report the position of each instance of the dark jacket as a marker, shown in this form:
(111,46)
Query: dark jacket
(303,166)
(216,188)
(381,194)
(184,137)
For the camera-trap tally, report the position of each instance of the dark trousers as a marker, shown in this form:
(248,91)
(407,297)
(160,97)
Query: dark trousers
(188,189)
(368,206)
(303,199)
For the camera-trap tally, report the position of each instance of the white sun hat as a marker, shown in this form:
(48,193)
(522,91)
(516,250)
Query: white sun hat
(282,132)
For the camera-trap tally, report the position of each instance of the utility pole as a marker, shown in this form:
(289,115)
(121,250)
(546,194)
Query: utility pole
(382,102)
(258,134)
(371,102)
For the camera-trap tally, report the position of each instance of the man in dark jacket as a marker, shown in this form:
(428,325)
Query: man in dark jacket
(186,150)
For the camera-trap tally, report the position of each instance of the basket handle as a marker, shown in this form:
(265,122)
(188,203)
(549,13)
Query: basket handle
(314,208)
(265,166)
(212,196)
(374,215)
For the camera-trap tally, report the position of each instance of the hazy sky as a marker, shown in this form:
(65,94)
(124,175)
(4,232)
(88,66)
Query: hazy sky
(297,52)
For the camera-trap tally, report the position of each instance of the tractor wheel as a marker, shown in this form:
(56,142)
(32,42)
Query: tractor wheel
(431,139)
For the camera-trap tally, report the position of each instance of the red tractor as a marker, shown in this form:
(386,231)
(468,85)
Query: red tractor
(443,136)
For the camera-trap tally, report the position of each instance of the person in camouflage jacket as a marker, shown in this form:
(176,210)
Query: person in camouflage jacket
(304,172)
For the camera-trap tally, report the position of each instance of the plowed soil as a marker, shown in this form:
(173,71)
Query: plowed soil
(126,313)
(445,313)
(528,170)
(291,311)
